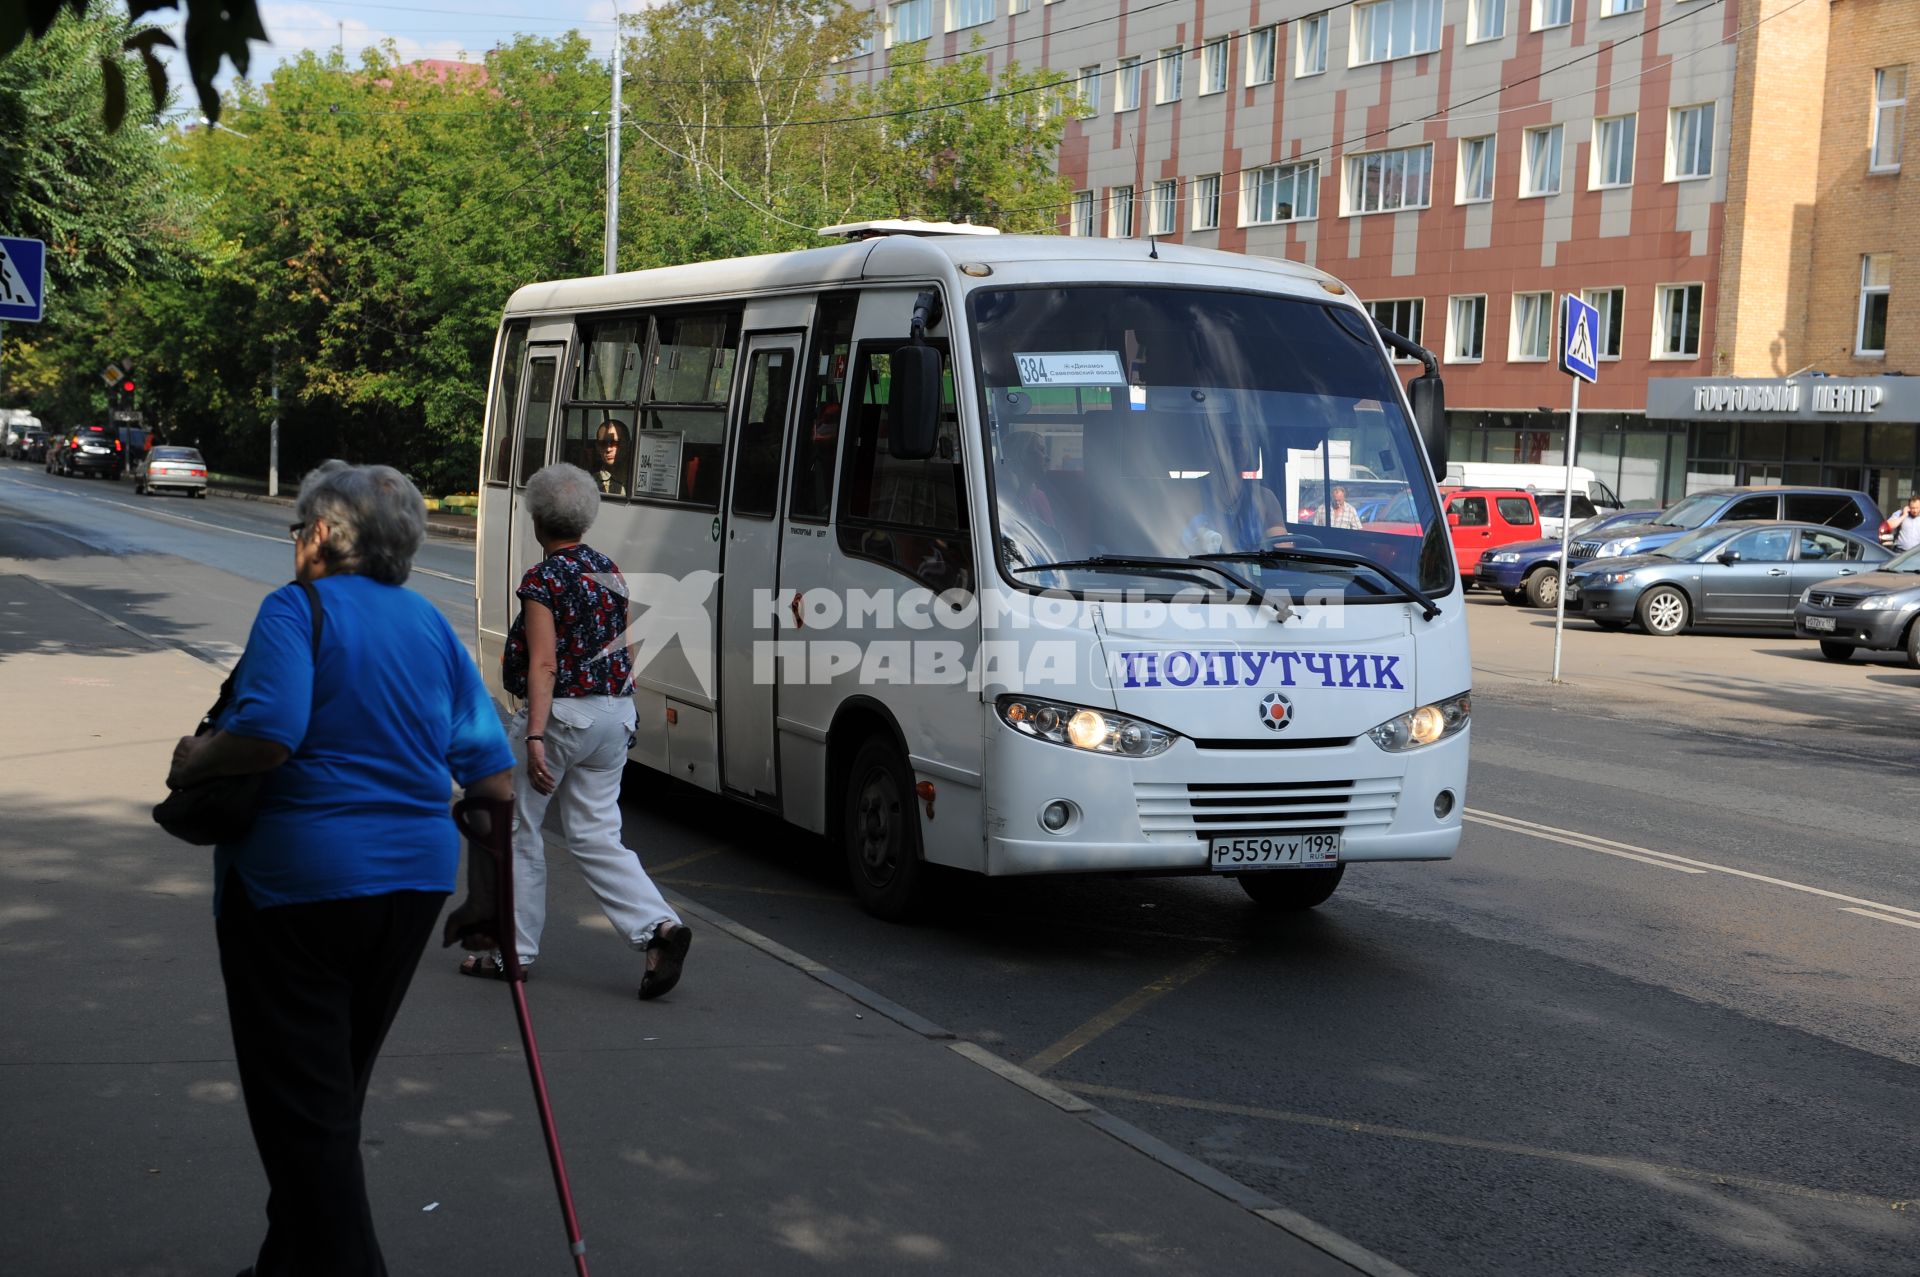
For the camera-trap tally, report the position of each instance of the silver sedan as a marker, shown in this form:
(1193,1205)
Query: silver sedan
(168,466)
(1740,574)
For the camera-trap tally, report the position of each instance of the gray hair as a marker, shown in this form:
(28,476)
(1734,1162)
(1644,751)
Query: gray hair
(563,501)
(375,519)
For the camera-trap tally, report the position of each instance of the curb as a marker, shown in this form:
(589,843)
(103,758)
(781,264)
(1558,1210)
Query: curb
(453,531)
(1249,1199)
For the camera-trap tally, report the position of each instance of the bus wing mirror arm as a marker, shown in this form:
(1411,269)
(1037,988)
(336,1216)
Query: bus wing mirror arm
(1427,396)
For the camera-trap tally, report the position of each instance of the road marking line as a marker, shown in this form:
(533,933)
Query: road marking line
(1881,917)
(1125,1009)
(1514,824)
(1594,1161)
(684,861)
(1580,841)
(213,527)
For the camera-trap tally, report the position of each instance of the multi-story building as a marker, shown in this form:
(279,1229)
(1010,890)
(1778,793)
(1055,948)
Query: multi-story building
(1461,163)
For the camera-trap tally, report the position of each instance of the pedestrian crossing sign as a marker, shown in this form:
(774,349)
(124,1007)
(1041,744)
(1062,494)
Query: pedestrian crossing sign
(23,282)
(1579,339)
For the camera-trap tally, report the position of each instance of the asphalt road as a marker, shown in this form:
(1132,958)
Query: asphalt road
(1656,1018)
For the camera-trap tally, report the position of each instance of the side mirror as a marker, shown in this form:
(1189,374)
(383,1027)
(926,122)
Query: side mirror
(1428,395)
(1728,557)
(1453,518)
(913,403)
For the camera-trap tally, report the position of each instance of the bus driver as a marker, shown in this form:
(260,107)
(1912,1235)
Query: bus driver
(1238,513)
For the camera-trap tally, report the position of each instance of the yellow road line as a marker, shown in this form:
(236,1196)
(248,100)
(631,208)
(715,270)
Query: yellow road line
(1125,1009)
(1593,1161)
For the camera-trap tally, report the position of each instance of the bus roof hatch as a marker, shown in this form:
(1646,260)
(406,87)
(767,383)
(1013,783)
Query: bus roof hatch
(905,226)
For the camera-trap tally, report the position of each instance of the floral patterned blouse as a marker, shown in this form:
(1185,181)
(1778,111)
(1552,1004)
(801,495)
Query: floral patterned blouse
(587,596)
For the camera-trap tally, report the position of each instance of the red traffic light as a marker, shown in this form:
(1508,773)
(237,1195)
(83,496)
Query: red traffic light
(126,387)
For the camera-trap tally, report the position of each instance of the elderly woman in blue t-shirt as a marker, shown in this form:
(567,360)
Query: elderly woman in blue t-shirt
(567,655)
(323,908)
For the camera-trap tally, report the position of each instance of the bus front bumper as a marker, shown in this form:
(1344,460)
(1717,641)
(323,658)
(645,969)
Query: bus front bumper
(1159,815)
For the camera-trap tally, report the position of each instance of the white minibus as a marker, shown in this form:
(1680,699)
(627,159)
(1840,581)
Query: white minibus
(989,553)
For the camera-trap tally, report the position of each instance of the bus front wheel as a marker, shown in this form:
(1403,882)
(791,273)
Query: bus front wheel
(880,828)
(1291,889)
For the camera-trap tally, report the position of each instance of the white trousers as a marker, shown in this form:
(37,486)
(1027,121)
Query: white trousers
(586,740)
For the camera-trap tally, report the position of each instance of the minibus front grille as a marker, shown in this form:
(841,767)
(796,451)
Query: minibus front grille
(1190,812)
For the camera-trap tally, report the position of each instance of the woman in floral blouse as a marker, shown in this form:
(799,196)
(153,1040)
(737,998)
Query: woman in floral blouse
(567,656)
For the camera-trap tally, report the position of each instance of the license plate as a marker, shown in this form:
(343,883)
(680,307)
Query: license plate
(1820,623)
(1273,851)
(1573,592)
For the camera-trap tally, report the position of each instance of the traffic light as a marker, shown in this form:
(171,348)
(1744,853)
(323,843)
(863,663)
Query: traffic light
(126,386)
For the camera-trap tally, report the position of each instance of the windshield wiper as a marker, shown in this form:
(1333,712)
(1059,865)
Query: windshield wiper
(1170,569)
(1428,608)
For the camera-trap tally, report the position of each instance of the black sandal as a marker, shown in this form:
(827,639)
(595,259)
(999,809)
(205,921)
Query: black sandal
(484,966)
(672,947)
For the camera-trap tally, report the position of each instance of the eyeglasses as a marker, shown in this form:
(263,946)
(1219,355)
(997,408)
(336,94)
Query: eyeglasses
(610,442)
(295,529)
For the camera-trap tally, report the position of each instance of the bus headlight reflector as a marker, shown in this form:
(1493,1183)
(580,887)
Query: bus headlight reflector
(1425,725)
(1080,727)
(1056,815)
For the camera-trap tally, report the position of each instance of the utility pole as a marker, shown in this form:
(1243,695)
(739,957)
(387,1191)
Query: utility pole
(611,250)
(273,432)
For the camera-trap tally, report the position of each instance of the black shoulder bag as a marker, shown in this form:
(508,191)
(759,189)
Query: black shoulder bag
(221,809)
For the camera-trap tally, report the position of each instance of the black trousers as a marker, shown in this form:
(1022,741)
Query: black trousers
(311,991)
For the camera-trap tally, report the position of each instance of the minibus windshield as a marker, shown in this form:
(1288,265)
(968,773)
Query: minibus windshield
(1166,422)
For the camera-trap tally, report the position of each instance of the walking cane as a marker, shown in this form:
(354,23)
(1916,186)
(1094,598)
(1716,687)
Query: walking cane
(488,825)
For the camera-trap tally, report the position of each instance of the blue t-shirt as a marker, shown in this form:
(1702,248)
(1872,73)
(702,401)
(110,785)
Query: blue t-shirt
(393,708)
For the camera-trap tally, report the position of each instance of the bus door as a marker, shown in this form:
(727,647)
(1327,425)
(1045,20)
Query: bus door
(750,560)
(533,429)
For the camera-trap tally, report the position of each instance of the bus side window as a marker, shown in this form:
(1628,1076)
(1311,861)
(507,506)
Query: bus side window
(816,436)
(911,515)
(506,402)
(684,406)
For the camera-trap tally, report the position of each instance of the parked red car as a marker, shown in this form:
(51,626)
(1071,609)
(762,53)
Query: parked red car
(1479,519)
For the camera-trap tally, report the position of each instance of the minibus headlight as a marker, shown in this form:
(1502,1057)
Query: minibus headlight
(1098,731)
(1425,725)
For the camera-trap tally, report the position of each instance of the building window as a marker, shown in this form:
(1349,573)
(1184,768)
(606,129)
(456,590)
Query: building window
(968,13)
(1614,8)
(1405,315)
(1532,337)
(1163,205)
(1388,29)
(1281,193)
(1086,91)
(1126,87)
(1540,157)
(1690,142)
(1310,39)
(1166,75)
(1876,285)
(1080,220)
(1475,184)
(1612,305)
(1612,152)
(1017,6)
(1676,321)
(1466,329)
(1889,117)
(1206,202)
(1260,47)
(1383,181)
(1120,212)
(909,21)
(1486,20)
(1552,13)
(1213,66)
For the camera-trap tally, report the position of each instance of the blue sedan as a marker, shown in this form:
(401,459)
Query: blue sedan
(1528,572)
(1740,574)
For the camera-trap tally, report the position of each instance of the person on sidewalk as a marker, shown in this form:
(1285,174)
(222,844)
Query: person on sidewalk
(323,909)
(1906,524)
(567,655)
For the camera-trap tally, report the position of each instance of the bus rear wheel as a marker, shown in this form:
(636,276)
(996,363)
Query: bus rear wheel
(880,829)
(1290,890)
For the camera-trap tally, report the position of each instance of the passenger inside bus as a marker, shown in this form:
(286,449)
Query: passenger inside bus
(612,458)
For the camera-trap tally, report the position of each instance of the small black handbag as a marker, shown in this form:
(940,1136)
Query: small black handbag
(221,809)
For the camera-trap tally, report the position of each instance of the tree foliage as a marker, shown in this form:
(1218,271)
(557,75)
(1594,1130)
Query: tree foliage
(352,234)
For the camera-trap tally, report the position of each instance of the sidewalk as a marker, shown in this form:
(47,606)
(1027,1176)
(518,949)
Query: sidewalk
(767,1117)
(440,523)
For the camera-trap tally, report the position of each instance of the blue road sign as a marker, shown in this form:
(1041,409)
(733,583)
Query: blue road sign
(23,279)
(1579,339)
